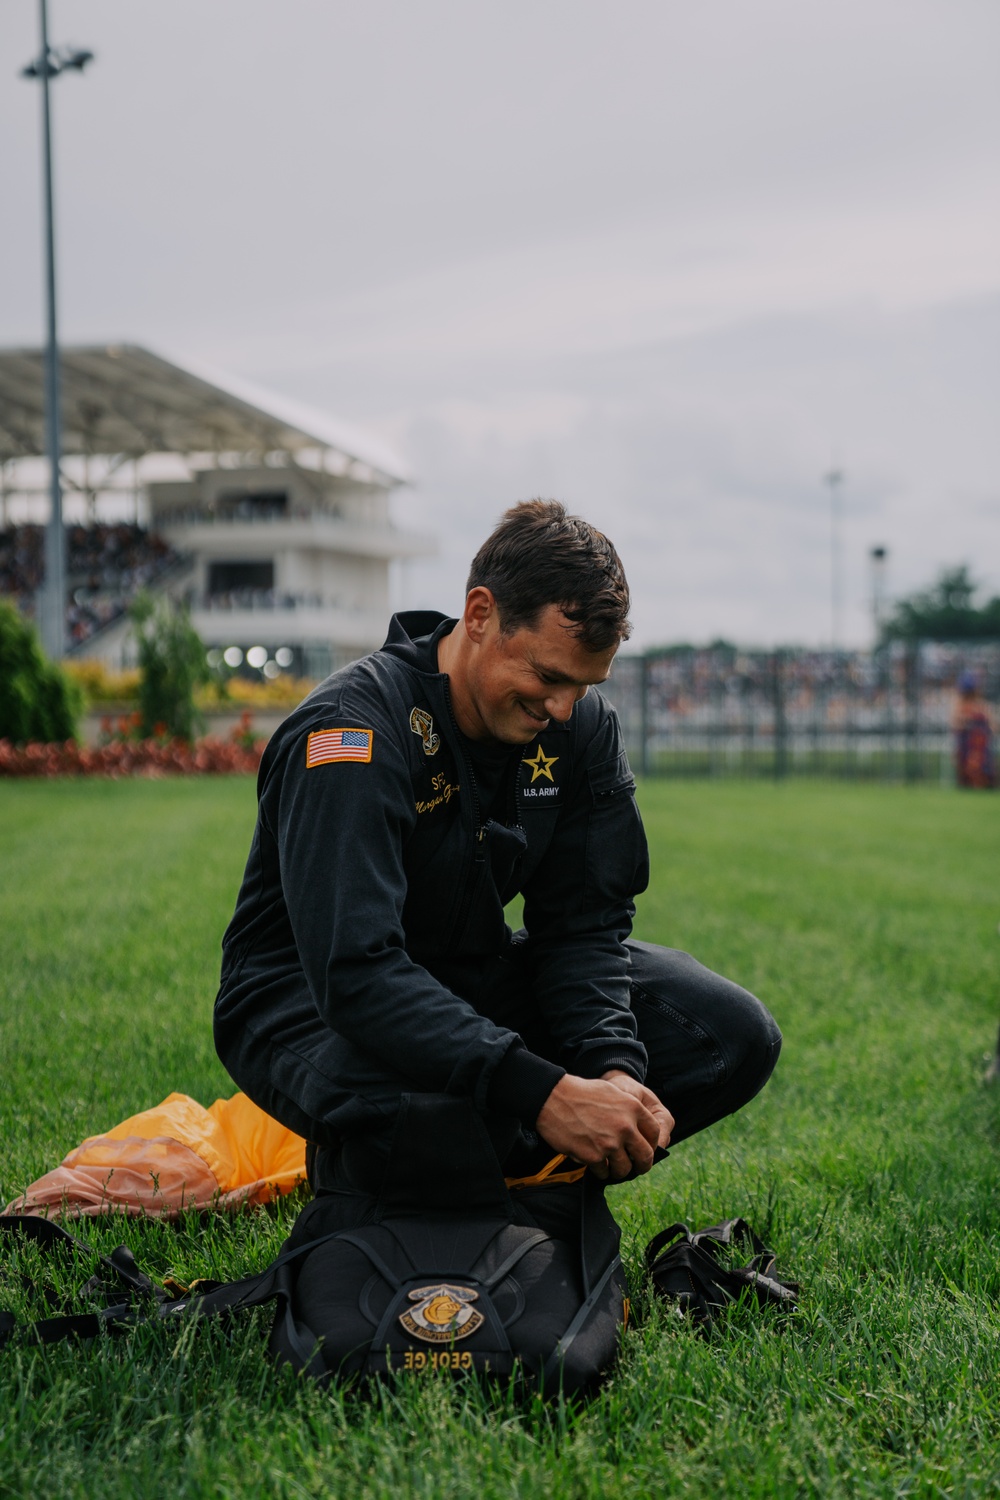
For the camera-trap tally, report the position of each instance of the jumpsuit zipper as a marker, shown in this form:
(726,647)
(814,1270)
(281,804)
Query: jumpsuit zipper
(479,835)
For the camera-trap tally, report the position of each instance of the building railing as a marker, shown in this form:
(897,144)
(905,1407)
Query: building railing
(270,600)
(271,516)
(883,715)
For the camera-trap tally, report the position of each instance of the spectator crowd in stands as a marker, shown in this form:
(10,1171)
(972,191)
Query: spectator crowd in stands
(722,689)
(106,565)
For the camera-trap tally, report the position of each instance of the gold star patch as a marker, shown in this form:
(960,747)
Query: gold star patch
(541,765)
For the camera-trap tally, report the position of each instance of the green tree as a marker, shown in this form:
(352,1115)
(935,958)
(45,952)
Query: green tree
(173,664)
(37,699)
(945,612)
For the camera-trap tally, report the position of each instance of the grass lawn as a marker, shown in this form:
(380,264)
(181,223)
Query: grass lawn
(866,918)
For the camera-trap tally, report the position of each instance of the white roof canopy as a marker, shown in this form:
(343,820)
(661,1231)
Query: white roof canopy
(123,399)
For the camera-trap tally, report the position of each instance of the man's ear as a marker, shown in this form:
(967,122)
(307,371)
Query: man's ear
(480,614)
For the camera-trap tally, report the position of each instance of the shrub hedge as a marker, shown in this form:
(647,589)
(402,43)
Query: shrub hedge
(37,700)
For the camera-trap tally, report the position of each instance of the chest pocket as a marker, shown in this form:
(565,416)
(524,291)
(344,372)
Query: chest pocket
(617,860)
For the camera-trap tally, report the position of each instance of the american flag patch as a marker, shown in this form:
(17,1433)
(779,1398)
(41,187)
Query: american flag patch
(325,745)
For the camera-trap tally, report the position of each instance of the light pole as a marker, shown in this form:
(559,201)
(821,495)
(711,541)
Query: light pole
(879,557)
(835,479)
(52,61)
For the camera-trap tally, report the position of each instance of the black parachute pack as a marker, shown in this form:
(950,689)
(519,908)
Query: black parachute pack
(686,1269)
(428,1262)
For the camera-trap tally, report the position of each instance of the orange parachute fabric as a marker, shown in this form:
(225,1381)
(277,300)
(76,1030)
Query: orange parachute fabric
(177,1156)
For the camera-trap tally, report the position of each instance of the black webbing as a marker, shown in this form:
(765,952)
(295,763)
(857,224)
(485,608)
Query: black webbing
(558,1354)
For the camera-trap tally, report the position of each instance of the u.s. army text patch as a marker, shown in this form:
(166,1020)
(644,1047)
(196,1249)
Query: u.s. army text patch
(326,745)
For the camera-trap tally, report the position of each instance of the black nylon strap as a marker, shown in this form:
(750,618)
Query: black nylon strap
(506,1266)
(686,1267)
(558,1354)
(44,1232)
(346,1237)
(120,1264)
(659,1241)
(251,1291)
(73,1325)
(730,1232)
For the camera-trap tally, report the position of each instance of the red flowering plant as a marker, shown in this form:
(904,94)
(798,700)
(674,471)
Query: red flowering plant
(242,733)
(157,740)
(124,756)
(121,728)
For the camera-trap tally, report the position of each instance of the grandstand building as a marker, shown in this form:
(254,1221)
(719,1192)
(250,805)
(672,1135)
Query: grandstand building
(270,521)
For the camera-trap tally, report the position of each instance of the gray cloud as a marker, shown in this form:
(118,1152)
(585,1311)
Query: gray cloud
(661,260)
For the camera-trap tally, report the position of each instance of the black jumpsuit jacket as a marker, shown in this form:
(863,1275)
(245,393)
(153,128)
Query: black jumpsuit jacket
(369,953)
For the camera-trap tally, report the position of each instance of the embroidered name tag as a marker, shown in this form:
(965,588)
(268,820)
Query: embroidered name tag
(326,745)
(443,791)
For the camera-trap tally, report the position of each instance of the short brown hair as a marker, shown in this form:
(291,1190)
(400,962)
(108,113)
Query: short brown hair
(538,555)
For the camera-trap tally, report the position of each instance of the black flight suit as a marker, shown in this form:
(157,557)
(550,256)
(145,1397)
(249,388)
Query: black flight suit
(369,954)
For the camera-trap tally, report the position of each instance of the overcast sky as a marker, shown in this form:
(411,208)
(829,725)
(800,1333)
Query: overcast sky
(665,262)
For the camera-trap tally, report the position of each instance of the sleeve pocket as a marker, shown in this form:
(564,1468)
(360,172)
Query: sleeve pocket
(611,776)
(617,865)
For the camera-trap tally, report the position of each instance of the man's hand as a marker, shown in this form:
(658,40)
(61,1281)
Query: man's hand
(608,1127)
(639,1091)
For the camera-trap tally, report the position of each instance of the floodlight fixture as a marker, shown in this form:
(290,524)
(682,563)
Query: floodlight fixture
(56,60)
(50,62)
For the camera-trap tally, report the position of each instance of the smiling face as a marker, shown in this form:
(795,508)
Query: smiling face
(510,687)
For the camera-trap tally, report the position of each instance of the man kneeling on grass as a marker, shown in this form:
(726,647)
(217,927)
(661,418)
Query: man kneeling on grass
(402,806)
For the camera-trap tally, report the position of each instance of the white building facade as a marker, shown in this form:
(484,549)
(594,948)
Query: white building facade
(288,559)
(279,517)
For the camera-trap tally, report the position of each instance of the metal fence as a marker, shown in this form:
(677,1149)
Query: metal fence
(869,715)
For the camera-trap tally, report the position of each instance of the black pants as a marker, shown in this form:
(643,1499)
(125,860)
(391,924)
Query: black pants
(712,1046)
